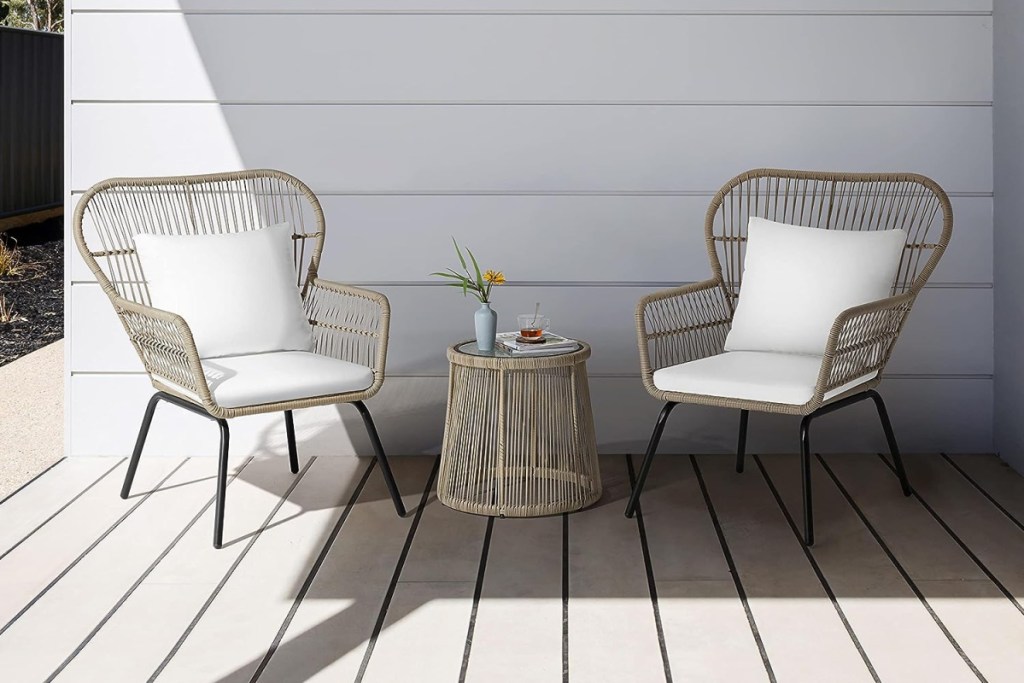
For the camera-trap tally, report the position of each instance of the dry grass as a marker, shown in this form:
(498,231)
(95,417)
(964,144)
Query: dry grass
(10,266)
(11,262)
(7,312)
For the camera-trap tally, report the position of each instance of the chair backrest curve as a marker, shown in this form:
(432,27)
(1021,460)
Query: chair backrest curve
(112,212)
(834,201)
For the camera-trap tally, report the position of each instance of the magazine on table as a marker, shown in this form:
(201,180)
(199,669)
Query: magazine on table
(553,343)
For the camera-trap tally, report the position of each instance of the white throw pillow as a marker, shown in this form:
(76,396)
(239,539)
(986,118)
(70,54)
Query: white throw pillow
(237,291)
(796,280)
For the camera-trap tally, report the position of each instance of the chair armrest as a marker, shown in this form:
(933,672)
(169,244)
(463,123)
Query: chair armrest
(861,341)
(349,323)
(165,345)
(682,324)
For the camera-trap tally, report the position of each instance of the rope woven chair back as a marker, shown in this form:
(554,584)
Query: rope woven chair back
(834,201)
(114,211)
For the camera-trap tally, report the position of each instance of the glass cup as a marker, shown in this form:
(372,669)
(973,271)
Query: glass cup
(532,326)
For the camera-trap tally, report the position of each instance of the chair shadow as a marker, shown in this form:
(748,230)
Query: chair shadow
(306,653)
(267,527)
(169,487)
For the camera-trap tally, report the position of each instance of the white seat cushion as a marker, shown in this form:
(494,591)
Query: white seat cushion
(253,379)
(236,291)
(796,280)
(751,375)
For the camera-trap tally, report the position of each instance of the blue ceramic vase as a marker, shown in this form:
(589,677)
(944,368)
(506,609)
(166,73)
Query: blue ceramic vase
(486,322)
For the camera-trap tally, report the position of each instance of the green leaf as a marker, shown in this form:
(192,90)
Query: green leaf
(459,252)
(450,276)
(476,267)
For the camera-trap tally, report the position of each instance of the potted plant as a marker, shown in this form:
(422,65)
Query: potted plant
(479,284)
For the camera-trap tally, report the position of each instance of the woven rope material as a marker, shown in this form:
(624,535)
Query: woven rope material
(691,322)
(519,436)
(348,323)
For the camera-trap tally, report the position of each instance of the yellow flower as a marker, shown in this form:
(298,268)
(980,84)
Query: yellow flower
(495,277)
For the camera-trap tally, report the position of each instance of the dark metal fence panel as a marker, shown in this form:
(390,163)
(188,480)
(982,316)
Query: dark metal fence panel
(31,121)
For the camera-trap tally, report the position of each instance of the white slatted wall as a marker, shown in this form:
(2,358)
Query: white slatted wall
(1009,278)
(527,130)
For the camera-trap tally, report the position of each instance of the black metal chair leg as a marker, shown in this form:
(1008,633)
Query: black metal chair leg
(293,453)
(222,471)
(382,459)
(140,442)
(652,447)
(890,437)
(741,447)
(805,466)
(222,486)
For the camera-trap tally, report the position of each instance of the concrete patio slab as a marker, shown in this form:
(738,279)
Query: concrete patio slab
(31,415)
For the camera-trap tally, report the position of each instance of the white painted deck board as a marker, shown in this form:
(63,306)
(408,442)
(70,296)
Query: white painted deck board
(180,585)
(612,634)
(327,638)
(429,616)
(36,504)
(785,596)
(707,634)
(124,606)
(518,632)
(983,622)
(32,566)
(997,479)
(99,580)
(899,637)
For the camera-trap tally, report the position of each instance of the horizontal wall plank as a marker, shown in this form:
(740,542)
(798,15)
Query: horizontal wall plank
(932,343)
(949,331)
(927,414)
(530,238)
(613,59)
(948,328)
(105,412)
(540,6)
(573,148)
(538,238)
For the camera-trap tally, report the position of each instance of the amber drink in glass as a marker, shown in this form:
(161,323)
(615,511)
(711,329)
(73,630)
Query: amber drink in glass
(532,326)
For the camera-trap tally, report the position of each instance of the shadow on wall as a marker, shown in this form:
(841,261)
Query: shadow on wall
(325,113)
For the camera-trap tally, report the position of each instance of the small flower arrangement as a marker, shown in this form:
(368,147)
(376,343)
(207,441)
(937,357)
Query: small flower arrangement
(478,283)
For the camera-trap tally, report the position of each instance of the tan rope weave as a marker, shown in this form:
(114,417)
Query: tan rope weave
(519,436)
(348,323)
(691,322)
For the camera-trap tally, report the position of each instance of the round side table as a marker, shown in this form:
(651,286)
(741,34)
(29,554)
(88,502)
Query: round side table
(519,434)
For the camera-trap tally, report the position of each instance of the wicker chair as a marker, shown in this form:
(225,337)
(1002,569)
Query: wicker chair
(348,323)
(691,322)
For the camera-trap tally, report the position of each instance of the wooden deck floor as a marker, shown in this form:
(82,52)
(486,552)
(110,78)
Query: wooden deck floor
(320,580)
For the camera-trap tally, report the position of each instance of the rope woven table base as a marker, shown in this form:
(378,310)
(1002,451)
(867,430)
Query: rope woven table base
(519,435)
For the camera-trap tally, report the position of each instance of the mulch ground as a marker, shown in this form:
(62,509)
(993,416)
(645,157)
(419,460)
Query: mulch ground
(37,296)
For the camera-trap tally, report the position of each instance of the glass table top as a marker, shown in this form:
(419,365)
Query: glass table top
(470,349)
